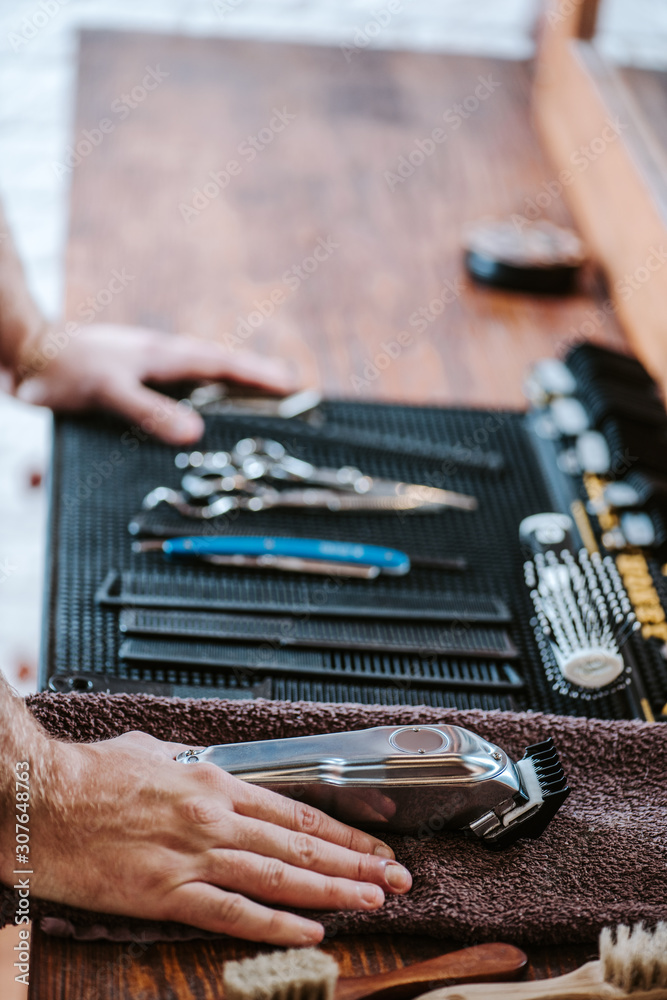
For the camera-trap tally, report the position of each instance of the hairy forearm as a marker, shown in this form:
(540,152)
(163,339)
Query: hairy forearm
(20,319)
(20,733)
(21,739)
(120,827)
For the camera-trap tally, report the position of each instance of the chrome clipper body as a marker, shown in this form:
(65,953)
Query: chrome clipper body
(414,780)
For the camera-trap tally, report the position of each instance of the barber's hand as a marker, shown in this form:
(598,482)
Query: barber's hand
(120,827)
(104,367)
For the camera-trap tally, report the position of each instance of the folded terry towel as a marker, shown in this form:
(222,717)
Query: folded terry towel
(602,860)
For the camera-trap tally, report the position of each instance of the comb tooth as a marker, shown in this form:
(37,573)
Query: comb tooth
(555,782)
(548,753)
(547,775)
(549,772)
(537,748)
(557,786)
(552,774)
(547,766)
(545,757)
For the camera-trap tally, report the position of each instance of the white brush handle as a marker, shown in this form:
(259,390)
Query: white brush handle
(585,983)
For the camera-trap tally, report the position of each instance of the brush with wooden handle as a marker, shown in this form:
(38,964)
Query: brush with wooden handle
(311,974)
(633,965)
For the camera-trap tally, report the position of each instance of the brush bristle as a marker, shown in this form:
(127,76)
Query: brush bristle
(636,959)
(297,974)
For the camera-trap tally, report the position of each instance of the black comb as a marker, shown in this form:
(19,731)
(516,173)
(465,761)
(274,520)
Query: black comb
(211,592)
(333,633)
(289,689)
(635,445)
(247,660)
(195,684)
(649,487)
(591,361)
(603,398)
(612,385)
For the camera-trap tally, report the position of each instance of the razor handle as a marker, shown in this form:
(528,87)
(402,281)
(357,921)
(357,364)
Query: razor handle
(415,780)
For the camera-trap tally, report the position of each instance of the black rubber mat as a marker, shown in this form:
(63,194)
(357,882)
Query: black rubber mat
(102,470)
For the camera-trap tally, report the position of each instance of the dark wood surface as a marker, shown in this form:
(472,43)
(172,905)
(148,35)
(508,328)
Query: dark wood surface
(105,971)
(322,176)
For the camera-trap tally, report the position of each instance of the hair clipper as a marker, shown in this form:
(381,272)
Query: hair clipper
(414,780)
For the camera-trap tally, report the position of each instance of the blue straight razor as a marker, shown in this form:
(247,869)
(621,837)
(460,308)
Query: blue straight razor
(254,546)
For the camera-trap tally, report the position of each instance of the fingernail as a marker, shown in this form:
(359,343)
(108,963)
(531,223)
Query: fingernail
(398,877)
(371,896)
(186,427)
(312,933)
(384,852)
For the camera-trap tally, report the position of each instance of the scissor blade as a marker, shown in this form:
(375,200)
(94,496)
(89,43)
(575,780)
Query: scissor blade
(338,501)
(425,494)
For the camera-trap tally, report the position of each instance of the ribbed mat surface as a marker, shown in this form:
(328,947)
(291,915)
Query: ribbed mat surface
(102,471)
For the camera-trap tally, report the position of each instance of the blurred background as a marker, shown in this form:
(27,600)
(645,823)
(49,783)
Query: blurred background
(38,67)
(37,86)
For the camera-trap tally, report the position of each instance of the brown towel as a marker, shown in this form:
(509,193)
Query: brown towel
(602,860)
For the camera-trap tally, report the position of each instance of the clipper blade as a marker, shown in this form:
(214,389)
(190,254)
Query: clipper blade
(549,771)
(544,789)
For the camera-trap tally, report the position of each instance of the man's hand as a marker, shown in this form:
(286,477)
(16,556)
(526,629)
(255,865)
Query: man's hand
(120,827)
(106,366)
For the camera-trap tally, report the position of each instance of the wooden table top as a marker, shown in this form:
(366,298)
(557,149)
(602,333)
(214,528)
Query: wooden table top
(389,248)
(192,971)
(326,176)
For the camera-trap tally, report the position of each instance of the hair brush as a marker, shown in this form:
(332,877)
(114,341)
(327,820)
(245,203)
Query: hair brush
(311,974)
(632,964)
